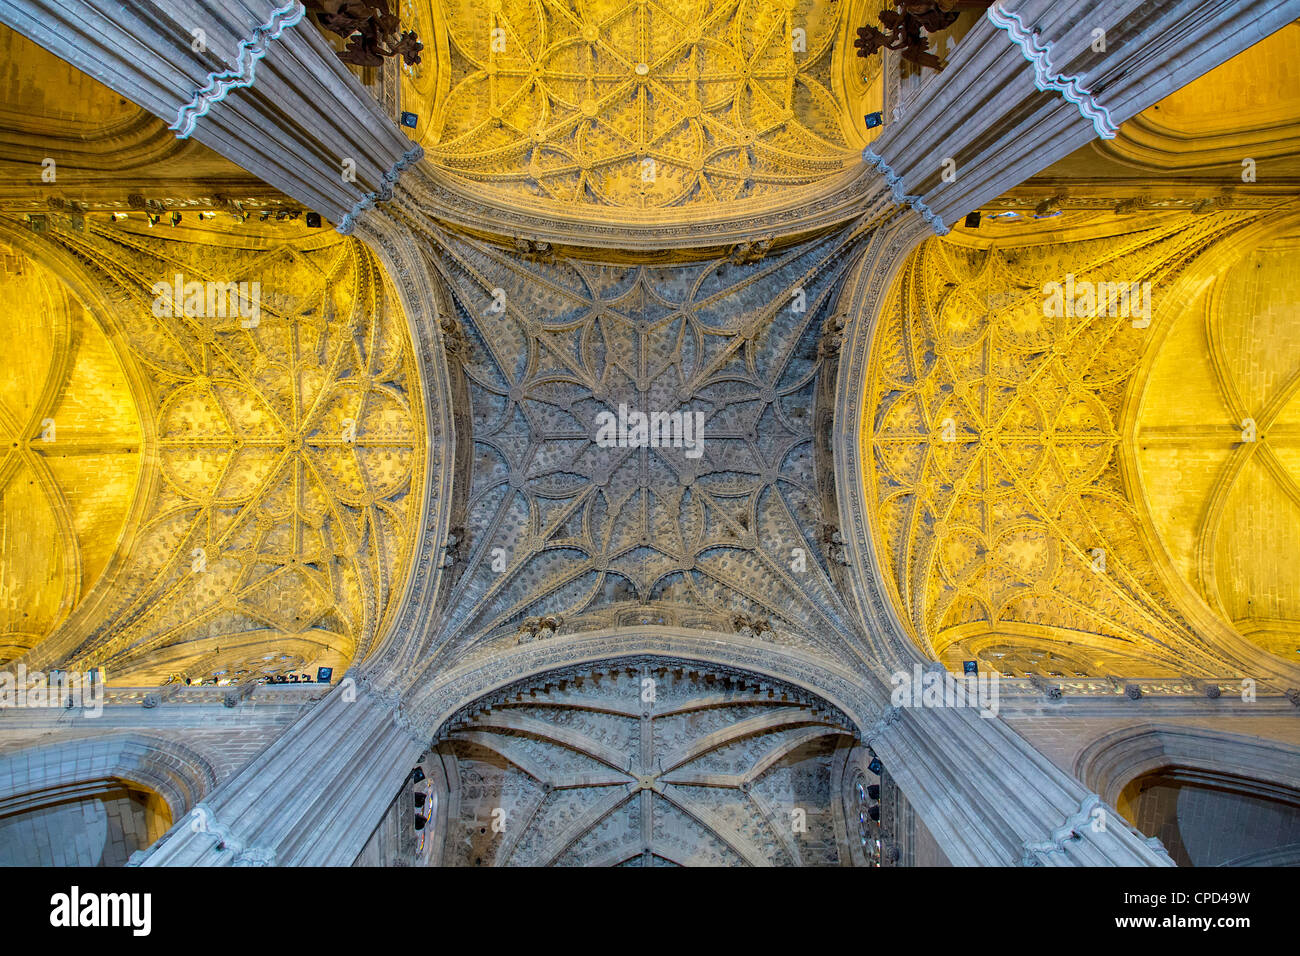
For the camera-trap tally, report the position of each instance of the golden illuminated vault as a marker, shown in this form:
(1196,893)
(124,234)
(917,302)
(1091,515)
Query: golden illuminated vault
(1217,443)
(637,104)
(283,449)
(1009,531)
(71,453)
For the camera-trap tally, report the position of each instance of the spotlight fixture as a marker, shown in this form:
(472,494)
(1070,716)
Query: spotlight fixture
(313,220)
(874,119)
(176,219)
(970,667)
(154,219)
(417,774)
(118,216)
(207,215)
(410,120)
(265,215)
(324,675)
(973,219)
(875,766)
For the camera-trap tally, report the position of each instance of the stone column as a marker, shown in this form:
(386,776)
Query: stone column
(252,79)
(1035,80)
(310,799)
(990,799)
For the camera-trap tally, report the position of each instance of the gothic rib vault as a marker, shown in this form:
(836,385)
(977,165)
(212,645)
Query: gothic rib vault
(274,510)
(637,105)
(606,536)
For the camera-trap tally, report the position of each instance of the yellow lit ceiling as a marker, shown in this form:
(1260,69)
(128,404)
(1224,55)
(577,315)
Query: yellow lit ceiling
(1246,107)
(71,454)
(1218,444)
(1002,515)
(103,147)
(641,105)
(283,457)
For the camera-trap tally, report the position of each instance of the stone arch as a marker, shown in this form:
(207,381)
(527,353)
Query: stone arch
(574,764)
(1111,762)
(1178,784)
(95,800)
(180,775)
(861,700)
(861,304)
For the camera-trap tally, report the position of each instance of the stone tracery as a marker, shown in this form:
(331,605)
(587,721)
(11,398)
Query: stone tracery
(287,449)
(634,104)
(743,539)
(714,770)
(1003,517)
(608,536)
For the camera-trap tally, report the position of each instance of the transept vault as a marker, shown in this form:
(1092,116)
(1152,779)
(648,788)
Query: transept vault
(572,440)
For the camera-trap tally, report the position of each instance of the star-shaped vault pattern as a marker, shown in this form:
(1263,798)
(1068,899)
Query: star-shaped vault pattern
(644,104)
(287,458)
(559,525)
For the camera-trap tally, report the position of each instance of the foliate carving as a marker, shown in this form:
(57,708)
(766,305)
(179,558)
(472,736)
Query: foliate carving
(747,625)
(744,253)
(539,628)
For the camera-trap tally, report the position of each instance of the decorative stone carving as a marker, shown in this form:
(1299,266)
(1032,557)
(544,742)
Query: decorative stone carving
(685,531)
(674,763)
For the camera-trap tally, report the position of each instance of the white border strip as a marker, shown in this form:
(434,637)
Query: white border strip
(1047,79)
(895,182)
(250,51)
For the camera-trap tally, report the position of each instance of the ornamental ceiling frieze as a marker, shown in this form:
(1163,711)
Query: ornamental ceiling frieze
(1004,523)
(284,452)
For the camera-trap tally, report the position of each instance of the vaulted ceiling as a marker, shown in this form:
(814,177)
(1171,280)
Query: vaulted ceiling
(638,104)
(267,524)
(1012,523)
(558,524)
(221,501)
(651,766)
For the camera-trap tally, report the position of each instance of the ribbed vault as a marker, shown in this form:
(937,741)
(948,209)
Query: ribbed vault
(728,535)
(636,105)
(1007,528)
(284,454)
(649,765)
